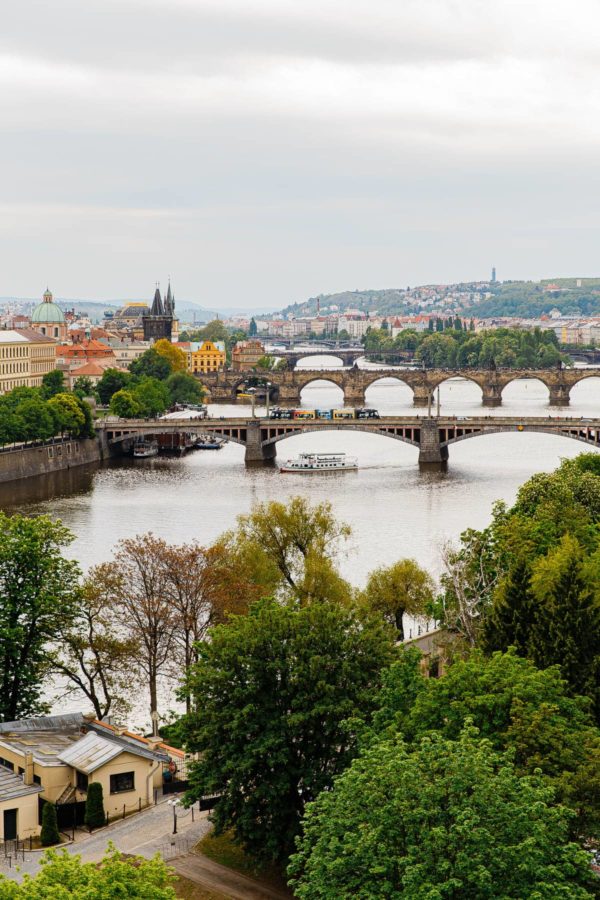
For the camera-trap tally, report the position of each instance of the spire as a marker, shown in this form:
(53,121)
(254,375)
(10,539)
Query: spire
(169,302)
(157,306)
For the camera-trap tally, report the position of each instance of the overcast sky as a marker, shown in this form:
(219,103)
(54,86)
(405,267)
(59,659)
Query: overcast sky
(263,151)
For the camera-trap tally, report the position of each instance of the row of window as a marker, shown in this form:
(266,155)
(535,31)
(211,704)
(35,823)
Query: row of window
(13,352)
(9,368)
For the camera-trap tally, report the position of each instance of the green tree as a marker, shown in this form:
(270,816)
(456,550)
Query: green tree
(152,396)
(125,405)
(95,817)
(184,388)
(35,420)
(49,835)
(273,693)
(52,383)
(151,365)
(214,331)
(403,587)
(112,380)
(297,543)
(67,414)
(38,596)
(63,876)
(83,387)
(447,819)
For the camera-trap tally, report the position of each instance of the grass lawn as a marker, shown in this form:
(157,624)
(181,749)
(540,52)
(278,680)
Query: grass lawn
(223,850)
(189,890)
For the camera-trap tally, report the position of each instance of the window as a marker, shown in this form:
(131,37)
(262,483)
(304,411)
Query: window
(82,781)
(7,764)
(124,781)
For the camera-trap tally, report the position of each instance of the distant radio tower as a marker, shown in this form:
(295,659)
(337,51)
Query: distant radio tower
(493,274)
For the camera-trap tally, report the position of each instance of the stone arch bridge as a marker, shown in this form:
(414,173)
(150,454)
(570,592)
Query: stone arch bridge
(430,435)
(287,385)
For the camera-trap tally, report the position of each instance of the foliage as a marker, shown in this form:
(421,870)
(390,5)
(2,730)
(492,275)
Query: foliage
(52,383)
(38,598)
(184,388)
(273,693)
(403,587)
(68,414)
(152,396)
(92,653)
(447,819)
(174,355)
(26,415)
(65,877)
(151,365)
(452,346)
(294,546)
(125,405)
(271,363)
(95,817)
(83,387)
(112,380)
(515,706)
(213,331)
(49,834)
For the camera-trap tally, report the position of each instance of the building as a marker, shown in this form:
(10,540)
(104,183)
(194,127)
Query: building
(54,758)
(88,358)
(204,356)
(49,319)
(246,354)
(158,322)
(25,357)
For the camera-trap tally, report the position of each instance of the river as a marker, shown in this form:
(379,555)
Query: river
(394,509)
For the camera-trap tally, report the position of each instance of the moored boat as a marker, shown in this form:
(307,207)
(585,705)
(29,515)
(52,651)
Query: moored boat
(145,449)
(320,462)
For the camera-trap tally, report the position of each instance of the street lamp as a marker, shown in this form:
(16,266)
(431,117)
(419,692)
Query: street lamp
(174,803)
(252,392)
(268,396)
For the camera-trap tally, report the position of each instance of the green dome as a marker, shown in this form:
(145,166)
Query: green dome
(47,312)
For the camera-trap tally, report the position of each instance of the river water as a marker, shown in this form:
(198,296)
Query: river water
(395,510)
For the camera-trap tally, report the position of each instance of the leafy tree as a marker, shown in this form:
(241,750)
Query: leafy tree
(151,365)
(152,396)
(174,355)
(52,383)
(49,835)
(68,414)
(112,380)
(63,876)
(35,420)
(297,544)
(449,819)
(92,653)
(95,817)
(87,430)
(125,405)
(273,693)
(403,587)
(83,387)
(214,331)
(38,596)
(184,388)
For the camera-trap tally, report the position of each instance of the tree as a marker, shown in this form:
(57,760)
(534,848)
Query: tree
(95,817)
(124,405)
(214,331)
(152,396)
(49,835)
(174,355)
(273,693)
(87,430)
(298,543)
(112,380)
(35,420)
(92,653)
(146,613)
(184,388)
(64,876)
(38,597)
(449,819)
(52,383)
(68,414)
(151,365)
(83,387)
(401,588)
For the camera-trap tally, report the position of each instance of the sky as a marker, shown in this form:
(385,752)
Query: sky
(259,152)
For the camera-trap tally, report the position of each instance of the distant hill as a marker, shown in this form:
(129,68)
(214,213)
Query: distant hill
(574,296)
(384,300)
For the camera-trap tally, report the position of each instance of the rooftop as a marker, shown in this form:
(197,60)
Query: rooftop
(11,786)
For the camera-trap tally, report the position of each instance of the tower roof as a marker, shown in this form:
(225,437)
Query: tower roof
(157,305)
(169,302)
(47,312)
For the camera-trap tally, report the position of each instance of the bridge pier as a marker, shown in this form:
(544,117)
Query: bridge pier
(433,457)
(492,395)
(421,394)
(560,395)
(257,453)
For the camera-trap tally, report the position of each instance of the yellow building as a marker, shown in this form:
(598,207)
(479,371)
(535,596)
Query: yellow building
(204,356)
(25,357)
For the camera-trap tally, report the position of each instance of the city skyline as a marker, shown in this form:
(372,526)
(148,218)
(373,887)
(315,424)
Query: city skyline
(264,153)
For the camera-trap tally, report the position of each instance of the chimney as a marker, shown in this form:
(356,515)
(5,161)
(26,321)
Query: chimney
(28,773)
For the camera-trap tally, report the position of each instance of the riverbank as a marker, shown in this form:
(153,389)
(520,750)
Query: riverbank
(52,456)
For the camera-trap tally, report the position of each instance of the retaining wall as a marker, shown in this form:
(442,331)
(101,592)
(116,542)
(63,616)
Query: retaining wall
(26,462)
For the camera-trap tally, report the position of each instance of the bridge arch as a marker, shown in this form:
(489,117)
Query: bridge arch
(512,382)
(155,431)
(322,379)
(456,376)
(411,436)
(297,358)
(586,436)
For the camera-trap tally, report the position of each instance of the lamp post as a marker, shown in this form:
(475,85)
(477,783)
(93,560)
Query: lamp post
(174,804)
(252,392)
(268,396)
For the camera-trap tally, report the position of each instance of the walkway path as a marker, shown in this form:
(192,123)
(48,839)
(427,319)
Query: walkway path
(231,884)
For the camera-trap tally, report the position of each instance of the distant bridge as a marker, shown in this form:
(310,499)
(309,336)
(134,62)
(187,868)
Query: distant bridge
(432,436)
(287,385)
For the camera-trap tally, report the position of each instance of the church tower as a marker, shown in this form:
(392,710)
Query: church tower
(158,323)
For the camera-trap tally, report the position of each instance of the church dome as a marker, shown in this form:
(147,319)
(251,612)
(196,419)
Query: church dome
(47,312)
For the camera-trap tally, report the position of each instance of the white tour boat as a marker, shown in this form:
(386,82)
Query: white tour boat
(320,462)
(145,449)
